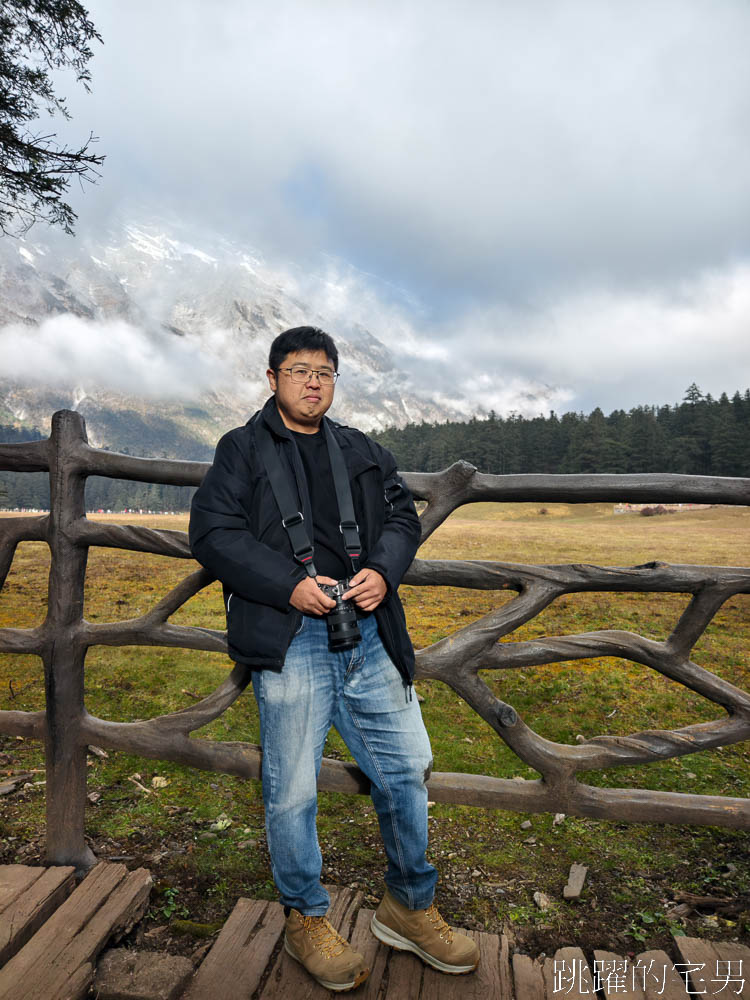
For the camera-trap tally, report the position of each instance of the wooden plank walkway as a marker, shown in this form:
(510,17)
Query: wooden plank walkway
(248,961)
(52,934)
(28,896)
(57,962)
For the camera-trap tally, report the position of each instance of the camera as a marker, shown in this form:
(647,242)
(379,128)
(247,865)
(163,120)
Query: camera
(343,630)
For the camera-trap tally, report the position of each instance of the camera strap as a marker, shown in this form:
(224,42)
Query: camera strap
(292,518)
(347,522)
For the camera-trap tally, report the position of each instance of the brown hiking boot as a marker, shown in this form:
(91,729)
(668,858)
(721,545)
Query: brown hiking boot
(328,957)
(426,934)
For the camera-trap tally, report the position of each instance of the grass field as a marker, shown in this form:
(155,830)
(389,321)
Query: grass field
(202,834)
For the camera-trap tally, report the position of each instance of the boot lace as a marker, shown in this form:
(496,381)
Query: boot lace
(324,936)
(444,931)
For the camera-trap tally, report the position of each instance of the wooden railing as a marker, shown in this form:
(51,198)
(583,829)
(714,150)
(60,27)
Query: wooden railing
(63,639)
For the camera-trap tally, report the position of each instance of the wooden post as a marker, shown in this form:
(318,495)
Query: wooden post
(64,650)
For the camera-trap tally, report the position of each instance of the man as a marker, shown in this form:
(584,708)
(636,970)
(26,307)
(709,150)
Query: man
(270,561)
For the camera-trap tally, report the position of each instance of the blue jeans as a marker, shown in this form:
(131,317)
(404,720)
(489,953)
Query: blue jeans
(361,693)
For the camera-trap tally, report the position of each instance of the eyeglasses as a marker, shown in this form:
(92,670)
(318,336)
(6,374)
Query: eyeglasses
(301,373)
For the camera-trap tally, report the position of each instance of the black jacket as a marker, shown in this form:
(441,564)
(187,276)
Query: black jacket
(236,533)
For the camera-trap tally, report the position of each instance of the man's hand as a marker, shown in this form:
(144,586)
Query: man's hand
(309,598)
(367,590)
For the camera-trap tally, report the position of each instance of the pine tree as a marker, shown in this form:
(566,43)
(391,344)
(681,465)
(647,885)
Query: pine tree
(38,39)
(726,440)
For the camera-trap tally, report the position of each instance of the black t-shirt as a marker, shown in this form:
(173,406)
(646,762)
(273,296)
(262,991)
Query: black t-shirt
(330,555)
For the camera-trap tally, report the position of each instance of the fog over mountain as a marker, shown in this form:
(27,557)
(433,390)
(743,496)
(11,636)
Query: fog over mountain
(154,327)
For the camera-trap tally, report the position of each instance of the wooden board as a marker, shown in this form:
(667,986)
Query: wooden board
(490,981)
(506,979)
(568,975)
(658,978)
(528,979)
(404,976)
(616,977)
(15,880)
(715,969)
(730,951)
(58,960)
(28,897)
(375,953)
(698,962)
(234,966)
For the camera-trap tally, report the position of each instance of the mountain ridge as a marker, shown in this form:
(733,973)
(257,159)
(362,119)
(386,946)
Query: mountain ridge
(162,343)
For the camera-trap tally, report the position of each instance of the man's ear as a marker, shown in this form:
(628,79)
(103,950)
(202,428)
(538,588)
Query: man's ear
(271,376)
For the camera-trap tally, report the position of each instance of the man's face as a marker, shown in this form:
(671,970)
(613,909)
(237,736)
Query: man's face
(302,404)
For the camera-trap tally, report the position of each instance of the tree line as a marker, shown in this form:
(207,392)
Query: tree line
(699,436)
(30,490)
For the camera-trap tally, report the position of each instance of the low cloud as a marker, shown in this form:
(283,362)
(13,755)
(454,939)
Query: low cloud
(113,355)
(488,391)
(612,348)
(603,346)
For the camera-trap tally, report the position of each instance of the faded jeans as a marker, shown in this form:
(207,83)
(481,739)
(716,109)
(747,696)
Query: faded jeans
(362,694)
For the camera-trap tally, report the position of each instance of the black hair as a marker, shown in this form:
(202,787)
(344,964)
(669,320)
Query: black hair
(302,338)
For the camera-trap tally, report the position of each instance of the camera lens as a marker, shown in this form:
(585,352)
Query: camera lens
(343,629)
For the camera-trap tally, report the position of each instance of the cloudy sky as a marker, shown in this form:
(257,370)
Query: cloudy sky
(548,192)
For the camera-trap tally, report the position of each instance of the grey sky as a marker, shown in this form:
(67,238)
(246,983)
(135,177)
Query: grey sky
(560,191)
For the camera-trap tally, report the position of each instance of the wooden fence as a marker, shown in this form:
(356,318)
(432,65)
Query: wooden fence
(63,639)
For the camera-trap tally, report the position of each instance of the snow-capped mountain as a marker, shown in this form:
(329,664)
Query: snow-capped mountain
(162,343)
